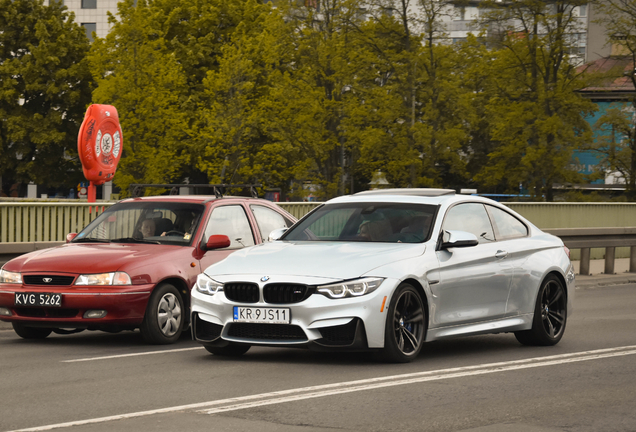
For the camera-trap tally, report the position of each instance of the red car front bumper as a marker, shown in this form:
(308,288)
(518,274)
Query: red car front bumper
(125,306)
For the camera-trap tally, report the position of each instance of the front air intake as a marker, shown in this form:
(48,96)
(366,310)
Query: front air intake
(282,293)
(241,292)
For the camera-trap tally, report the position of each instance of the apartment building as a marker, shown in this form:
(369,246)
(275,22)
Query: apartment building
(588,40)
(91,14)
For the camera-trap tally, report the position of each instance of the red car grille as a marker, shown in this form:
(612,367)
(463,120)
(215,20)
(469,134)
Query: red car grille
(47,280)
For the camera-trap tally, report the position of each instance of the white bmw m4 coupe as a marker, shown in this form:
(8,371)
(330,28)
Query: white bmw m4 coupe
(387,271)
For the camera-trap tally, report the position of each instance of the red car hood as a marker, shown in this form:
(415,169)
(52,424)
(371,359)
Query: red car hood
(94,258)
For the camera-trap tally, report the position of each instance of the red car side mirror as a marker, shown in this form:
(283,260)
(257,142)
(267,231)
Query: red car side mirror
(217,241)
(70,236)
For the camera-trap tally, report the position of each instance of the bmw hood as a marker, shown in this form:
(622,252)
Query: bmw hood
(333,260)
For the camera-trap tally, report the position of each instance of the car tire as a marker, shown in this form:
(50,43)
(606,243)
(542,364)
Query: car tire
(26,332)
(550,315)
(164,318)
(231,350)
(406,326)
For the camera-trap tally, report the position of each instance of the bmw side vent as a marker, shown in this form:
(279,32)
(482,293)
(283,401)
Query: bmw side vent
(206,331)
(241,292)
(286,293)
(342,335)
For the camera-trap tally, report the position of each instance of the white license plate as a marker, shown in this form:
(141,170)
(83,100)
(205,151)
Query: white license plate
(262,315)
(38,299)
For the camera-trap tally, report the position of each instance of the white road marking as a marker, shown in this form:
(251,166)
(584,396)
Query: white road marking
(243,402)
(130,355)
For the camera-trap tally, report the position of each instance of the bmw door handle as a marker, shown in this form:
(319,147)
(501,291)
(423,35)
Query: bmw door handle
(501,254)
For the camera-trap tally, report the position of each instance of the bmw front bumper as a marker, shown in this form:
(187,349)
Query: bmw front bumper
(317,322)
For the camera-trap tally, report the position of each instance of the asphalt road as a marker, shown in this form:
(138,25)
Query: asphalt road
(94,381)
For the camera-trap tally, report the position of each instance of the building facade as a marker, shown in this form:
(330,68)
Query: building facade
(91,14)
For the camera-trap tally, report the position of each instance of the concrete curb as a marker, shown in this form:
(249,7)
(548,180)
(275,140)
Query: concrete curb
(599,281)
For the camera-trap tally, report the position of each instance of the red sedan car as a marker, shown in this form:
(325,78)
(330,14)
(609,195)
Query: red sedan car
(132,267)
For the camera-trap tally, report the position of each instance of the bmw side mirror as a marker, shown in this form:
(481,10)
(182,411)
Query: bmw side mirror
(276,234)
(453,239)
(70,237)
(217,241)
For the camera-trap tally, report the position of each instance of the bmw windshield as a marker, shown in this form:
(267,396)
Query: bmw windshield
(366,222)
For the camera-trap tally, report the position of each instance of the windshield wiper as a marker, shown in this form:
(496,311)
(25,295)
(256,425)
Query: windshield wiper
(89,240)
(134,240)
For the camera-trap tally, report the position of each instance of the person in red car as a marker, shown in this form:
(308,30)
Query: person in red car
(148,228)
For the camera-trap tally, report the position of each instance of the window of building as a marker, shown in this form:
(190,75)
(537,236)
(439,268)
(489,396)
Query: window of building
(89,4)
(578,43)
(583,10)
(90,29)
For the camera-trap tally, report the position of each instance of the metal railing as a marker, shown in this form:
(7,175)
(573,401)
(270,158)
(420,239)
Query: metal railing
(608,238)
(27,226)
(51,221)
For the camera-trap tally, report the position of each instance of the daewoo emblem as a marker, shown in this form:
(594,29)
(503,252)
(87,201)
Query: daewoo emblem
(264,278)
(47,280)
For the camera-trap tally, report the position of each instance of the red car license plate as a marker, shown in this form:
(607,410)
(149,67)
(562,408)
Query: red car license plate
(38,299)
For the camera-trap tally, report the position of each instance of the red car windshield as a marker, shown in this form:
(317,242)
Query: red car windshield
(144,222)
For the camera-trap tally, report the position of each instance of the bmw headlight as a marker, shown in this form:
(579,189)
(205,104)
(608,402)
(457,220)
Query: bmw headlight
(10,277)
(114,278)
(353,288)
(207,285)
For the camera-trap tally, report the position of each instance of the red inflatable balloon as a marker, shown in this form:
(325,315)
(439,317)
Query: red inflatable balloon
(99,143)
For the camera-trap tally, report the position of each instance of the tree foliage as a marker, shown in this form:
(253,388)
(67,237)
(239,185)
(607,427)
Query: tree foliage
(618,147)
(329,92)
(45,87)
(137,74)
(537,116)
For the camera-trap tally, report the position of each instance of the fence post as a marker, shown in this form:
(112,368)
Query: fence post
(632,259)
(585,262)
(610,252)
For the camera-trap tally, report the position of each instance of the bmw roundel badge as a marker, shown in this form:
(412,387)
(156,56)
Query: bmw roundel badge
(264,278)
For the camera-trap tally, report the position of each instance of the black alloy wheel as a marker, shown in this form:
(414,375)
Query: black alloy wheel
(405,326)
(550,315)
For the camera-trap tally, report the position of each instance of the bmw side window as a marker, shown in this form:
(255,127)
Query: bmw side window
(231,221)
(268,220)
(472,218)
(508,226)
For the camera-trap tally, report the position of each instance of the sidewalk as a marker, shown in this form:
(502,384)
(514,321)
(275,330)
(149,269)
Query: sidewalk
(596,279)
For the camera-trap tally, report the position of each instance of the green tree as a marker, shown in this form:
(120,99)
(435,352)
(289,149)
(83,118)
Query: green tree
(241,146)
(537,118)
(45,87)
(618,148)
(307,100)
(142,78)
(410,124)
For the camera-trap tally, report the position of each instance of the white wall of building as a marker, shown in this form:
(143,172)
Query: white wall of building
(92,13)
